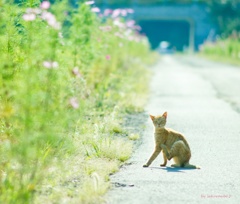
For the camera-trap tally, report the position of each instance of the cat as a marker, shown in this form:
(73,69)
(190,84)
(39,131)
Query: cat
(172,143)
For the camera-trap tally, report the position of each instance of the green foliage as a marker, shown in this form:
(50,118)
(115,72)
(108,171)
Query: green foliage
(226,16)
(133,136)
(227,50)
(66,79)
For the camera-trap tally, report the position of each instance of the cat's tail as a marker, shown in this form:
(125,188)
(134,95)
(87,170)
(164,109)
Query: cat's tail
(190,166)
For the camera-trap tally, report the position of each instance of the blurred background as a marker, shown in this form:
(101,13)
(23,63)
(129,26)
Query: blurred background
(183,24)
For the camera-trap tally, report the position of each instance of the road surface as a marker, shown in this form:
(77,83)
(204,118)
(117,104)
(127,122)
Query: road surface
(202,99)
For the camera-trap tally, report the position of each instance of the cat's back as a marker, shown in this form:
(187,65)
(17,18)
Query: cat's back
(168,134)
(172,132)
(173,135)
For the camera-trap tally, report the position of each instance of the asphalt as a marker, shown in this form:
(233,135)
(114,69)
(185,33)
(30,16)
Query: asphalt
(202,99)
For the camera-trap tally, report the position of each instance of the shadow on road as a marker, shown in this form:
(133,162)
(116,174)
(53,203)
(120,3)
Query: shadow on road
(172,169)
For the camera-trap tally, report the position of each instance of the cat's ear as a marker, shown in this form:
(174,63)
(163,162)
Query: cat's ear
(152,117)
(165,115)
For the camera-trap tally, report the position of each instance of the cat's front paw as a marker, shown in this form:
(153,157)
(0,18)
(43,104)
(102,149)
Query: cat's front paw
(145,165)
(163,164)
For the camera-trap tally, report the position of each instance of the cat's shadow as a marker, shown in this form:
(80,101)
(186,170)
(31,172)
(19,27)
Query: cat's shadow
(172,169)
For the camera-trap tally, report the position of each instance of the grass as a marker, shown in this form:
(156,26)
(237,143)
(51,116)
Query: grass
(68,77)
(224,50)
(133,136)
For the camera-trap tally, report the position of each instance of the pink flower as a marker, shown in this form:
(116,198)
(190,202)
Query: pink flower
(116,13)
(137,27)
(53,23)
(89,2)
(108,57)
(33,10)
(123,12)
(74,102)
(130,23)
(47,15)
(50,65)
(76,72)
(117,22)
(107,12)
(130,10)
(47,64)
(45,5)
(51,20)
(29,17)
(95,10)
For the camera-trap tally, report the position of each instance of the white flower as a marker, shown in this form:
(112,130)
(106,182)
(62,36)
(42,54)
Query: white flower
(50,65)
(29,16)
(33,10)
(74,102)
(89,2)
(51,20)
(95,10)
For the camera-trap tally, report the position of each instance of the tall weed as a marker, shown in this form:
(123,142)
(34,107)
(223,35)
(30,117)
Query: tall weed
(227,50)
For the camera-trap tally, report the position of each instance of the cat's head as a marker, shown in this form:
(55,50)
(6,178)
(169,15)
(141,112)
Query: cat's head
(160,120)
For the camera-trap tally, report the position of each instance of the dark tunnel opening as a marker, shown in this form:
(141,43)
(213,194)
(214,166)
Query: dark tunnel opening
(175,32)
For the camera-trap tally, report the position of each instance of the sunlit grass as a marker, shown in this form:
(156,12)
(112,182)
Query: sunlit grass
(224,50)
(133,136)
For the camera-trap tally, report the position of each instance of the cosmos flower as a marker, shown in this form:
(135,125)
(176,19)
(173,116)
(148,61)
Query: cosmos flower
(130,10)
(89,2)
(74,102)
(76,72)
(117,22)
(107,12)
(116,13)
(108,57)
(130,23)
(95,10)
(29,17)
(123,12)
(50,65)
(45,5)
(51,20)
(34,10)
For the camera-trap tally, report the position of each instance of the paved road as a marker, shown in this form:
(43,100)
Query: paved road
(203,102)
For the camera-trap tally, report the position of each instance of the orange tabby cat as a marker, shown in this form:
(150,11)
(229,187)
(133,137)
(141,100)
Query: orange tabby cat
(173,144)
